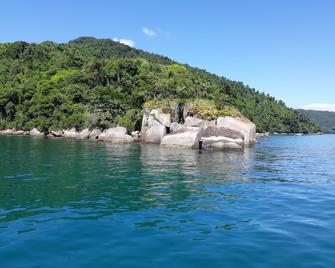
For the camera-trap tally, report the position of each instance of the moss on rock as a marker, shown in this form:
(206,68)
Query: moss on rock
(201,108)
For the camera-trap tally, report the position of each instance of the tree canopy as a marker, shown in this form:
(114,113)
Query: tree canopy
(92,82)
(323,118)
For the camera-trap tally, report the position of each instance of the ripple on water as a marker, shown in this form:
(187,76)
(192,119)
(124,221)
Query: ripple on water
(98,205)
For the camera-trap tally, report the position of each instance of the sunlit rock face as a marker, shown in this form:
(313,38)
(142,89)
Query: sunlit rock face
(221,138)
(35,133)
(71,133)
(240,124)
(185,137)
(194,125)
(94,134)
(191,121)
(174,126)
(155,126)
(116,135)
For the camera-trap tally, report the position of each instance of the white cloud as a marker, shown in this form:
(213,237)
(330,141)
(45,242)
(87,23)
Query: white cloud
(149,32)
(127,42)
(320,107)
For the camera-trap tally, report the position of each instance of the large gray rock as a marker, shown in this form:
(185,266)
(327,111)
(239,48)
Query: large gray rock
(221,138)
(185,137)
(162,118)
(241,124)
(94,134)
(154,126)
(116,135)
(174,126)
(191,121)
(155,132)
(71,133)
(19,132)
(7,132)
(216,131)
(35,133)
(57,133)
(84,134)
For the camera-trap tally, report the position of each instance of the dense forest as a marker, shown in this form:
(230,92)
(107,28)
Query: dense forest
(92,82)
(323,118)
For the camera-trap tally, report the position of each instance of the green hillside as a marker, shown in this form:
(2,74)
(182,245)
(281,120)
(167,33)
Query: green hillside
(92,82)
(323,118)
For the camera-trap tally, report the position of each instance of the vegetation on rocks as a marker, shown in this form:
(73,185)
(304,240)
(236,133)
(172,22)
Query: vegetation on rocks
(90,83)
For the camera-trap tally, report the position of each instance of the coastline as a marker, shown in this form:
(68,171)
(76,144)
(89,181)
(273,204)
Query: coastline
(94,134)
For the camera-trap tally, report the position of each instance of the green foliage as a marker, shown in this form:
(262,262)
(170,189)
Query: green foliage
(130,120)
(100,83)
(323,118)
(207,109)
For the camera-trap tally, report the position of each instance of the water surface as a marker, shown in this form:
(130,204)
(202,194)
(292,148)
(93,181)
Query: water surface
(67,203)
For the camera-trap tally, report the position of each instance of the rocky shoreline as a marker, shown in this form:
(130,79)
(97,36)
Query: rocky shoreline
(221,133)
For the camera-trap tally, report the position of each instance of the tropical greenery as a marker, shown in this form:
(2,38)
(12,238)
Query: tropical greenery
(324,119)
(92,82)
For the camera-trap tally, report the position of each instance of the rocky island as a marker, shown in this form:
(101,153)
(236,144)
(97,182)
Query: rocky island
(99,89)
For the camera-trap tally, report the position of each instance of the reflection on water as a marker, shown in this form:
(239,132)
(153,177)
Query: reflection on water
(123,204)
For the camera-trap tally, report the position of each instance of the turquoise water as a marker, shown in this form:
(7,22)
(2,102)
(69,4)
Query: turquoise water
(67,203)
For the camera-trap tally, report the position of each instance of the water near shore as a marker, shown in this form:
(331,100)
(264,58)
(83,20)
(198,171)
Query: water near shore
(68,203)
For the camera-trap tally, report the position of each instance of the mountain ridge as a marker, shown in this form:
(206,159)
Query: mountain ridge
(326,119)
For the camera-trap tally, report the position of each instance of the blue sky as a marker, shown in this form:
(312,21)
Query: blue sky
(284,48)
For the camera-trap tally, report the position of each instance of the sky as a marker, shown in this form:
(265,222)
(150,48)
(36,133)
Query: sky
(285,48)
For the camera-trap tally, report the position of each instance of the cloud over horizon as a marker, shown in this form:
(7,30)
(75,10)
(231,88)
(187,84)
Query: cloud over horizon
(320,107)
(127,42)
(149,32)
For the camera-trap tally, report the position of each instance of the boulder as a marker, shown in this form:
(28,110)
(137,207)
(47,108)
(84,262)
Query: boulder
(191,121)
(221,138)
(94,134)
(35,133)
(57,133)
(84,134)
(162,118)
(71,133)
(241,124)
(7,132)
(19,132)
(155,132)
(185,137)
(154,126)
(116,135)
(174,126)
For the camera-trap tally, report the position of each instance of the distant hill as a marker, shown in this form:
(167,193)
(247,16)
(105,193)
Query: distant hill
(92,82)
(324,119)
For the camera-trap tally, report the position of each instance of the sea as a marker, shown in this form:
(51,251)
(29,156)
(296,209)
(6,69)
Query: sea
(70,203)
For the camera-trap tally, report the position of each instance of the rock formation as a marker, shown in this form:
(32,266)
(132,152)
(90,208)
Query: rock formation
(186,137)
(71,133)
(94,134)
(197,124)
(241,124)
(116,135)
(35,133)
(155,125)
(215,137)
